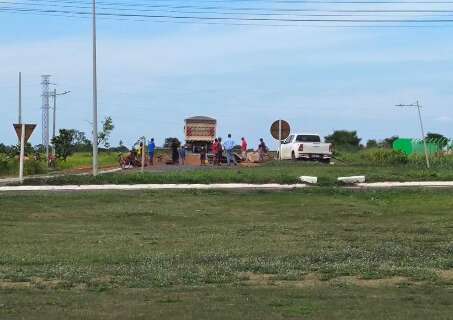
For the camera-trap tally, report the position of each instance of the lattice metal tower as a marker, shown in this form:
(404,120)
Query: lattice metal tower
(45,82)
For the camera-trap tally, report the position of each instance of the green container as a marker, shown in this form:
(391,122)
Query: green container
(413,146)
(404,145)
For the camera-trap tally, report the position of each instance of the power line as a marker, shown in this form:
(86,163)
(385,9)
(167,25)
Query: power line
(319,12)
(248,18)
(309,13)
(236,18)
(142,6)
(368,26)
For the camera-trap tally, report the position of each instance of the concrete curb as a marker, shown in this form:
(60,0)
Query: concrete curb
(225,186)
(429,184)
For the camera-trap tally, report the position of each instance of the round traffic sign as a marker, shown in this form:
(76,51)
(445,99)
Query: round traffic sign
(280,130)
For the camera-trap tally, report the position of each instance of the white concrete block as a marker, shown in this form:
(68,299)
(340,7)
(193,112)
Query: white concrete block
(308,179)
(353,179)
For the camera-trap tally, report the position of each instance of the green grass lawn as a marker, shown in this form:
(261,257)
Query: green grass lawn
(307,254)
(81,160)
(85,160)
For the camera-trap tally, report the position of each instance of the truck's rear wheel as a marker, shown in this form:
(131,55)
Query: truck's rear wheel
(293,156)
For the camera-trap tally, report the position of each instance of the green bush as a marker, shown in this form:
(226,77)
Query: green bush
(384,157)
(10,167)
(436,161)
(34,167)
(4,166)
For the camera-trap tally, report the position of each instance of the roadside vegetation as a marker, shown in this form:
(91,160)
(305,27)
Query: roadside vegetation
(9,166)
(311,254)
(285,172)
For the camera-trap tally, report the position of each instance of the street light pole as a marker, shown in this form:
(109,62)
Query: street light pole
(425,146)
(54,114)
(95,97)
(54,123)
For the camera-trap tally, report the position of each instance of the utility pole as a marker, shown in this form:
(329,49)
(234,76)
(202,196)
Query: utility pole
(54,115)
(418,106)
(20,98)
(95,97)
(54,96)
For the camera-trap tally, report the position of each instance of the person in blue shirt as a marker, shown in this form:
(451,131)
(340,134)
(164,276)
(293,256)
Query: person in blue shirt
(229,145)
(151,149)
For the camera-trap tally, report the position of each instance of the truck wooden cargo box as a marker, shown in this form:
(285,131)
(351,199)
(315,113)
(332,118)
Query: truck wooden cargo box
(200,131)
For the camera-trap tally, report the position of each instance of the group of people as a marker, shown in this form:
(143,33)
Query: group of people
(178,153)
(220,148)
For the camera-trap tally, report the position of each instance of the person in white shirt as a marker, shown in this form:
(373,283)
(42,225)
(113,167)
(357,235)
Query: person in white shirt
(229,146)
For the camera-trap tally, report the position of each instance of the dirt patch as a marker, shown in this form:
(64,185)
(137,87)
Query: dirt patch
(370,283)
(5,284)
(35,282)
(446,275)
(256,279)
(88,169)
(251,164)
(313,280)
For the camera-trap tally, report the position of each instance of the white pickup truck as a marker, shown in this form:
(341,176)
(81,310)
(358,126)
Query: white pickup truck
(306,146)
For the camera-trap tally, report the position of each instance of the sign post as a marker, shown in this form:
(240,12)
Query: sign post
(280,130)
(280,139)
(22,154)
(143,154)
(23,131)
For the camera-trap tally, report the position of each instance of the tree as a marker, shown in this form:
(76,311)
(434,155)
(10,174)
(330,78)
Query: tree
(64,143)
(169,142)
(437,138)
(104,134)
(372,143)
(344,138)
(4,149)
(40,148)
(121,148)
(81,142)
(388,142)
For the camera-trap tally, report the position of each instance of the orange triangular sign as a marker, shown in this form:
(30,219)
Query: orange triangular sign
(28,130)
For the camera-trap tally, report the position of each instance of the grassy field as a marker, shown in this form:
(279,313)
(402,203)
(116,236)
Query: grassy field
(10,167)
(84,160)
(307,254)
(274,172)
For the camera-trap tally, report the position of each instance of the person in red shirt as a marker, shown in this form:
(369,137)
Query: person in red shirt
(215,150)
(244,148)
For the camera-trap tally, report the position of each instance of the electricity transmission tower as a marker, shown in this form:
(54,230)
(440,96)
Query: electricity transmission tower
(45,82)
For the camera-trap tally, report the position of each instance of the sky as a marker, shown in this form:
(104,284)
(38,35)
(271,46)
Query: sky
(153,75)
